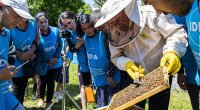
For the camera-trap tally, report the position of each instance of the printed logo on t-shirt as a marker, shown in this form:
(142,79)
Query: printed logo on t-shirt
(194,27)
(194,33)
(26,45)
(49,47)
(3,62)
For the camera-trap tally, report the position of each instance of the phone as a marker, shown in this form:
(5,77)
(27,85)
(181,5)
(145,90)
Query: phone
(21,65)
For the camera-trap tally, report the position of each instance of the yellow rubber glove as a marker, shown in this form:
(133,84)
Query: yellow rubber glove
(134,71)
(171,61)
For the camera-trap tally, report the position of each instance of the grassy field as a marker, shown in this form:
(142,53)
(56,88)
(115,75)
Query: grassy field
(179,99)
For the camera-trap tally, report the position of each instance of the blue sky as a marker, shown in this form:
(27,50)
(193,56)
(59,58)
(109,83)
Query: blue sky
(91,2)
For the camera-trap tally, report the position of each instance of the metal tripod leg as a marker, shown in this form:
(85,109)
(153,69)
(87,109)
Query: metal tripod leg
(64,91)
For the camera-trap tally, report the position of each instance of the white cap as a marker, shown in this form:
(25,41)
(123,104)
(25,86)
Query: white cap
(110,9)
(19,6)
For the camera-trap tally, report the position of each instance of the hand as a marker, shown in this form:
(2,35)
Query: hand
(52,61)
(134,71)
(19,53)
(25,56)
(171,61)
(181,80)
(32,57)
(111,82)
(29,54)
(7,72)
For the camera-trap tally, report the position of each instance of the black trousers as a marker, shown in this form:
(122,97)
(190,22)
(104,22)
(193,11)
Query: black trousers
(194,93)
(19,87)
(48,81)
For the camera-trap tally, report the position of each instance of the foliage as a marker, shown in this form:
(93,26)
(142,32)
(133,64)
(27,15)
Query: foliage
(99,3)
(54,7)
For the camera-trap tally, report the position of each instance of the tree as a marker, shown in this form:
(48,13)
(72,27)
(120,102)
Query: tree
(99,3)
(54,7)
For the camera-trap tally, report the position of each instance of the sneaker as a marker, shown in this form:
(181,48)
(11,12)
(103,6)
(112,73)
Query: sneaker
(34,97)
(79,96)
(47,106)
(56,94)
(60,96)
(40,103)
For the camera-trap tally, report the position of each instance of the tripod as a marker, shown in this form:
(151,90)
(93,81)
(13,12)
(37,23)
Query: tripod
(64,92)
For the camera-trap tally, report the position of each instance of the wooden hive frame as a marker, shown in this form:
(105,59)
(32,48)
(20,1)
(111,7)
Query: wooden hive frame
(142,97)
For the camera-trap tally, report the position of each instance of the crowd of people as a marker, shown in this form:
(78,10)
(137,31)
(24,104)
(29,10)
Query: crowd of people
(116,45)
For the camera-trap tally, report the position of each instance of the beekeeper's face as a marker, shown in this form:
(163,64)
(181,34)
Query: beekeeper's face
(120,21)
(121,29)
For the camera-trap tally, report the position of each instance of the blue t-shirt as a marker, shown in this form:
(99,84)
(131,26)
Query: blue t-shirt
(2,101)
(98,59)
(193,24)
(53,46)
(22,41)
(4,84)
(81,55)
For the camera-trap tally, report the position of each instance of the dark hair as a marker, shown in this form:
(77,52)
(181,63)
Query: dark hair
(96,15)
(70,15)
(65,15)
(85,18)
(39,14)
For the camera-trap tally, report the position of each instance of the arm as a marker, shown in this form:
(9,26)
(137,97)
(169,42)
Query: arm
(118,58)
(11,53)
(57,54)
(174,34)
(110,70)
(59,47)
(176,43)
(79,43)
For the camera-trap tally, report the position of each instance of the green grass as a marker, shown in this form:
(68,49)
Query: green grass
(179,99)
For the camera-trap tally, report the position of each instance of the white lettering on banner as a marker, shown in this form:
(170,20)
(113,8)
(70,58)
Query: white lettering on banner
(49,48)
(3,63)
(197,57)
(94,57)
(195,26)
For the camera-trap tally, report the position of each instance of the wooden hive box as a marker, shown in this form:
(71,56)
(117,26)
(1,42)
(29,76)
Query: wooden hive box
(152,83)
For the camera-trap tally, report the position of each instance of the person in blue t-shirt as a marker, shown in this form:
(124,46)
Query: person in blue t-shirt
(69,21)
(9,18)
(23,37)
(98,61)
(52,46)
(7,100)
(191,62)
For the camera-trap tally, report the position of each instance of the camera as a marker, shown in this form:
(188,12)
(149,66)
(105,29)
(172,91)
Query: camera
(65,34)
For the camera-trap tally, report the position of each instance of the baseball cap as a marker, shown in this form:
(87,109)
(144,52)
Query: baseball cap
(19,6)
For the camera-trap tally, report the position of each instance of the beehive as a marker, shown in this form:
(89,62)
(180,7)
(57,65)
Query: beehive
(153,83)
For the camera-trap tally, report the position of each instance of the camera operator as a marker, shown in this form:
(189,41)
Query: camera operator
(69,21)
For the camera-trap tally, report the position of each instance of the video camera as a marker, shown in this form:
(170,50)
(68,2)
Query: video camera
(65,34)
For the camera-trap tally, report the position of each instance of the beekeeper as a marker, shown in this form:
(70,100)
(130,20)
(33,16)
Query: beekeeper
(140,36)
